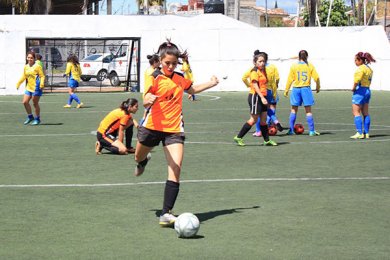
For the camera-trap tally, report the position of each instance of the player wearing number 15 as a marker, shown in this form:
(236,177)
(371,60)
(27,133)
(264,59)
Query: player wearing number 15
(300,77)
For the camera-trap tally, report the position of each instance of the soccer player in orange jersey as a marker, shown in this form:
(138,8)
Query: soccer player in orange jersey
(163,122)
(257,100)
(115,126)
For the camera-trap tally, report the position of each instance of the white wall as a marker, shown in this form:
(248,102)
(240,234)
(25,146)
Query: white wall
(217,45)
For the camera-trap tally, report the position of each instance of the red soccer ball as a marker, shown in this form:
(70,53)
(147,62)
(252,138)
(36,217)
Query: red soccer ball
(272,130)
(299,129)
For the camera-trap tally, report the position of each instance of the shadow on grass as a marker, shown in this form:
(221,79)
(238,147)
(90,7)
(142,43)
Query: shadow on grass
(213,214)
(377,136)
(208,215)
(51,123)
(262,145)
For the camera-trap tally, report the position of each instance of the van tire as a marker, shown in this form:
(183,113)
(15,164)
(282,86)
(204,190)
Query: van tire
(85,78)
(102,75)
(114,80)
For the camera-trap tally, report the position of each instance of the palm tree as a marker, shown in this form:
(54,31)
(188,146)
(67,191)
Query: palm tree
(28,6)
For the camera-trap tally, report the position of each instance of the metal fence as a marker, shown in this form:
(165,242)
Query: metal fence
(107,64)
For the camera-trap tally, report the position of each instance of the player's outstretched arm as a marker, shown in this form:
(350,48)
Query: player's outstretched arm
(204,86)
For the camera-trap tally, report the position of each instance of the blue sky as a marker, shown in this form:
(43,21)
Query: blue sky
(129,6)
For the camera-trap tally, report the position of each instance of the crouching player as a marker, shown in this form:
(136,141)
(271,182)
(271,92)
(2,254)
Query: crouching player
(115,126)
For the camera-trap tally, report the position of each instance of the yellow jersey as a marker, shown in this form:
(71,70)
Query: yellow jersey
(187,72)
(30,74)
(165,114)
(246,78)
(363,76)
(148,73)
(73,71)
(301,74)
(273,77)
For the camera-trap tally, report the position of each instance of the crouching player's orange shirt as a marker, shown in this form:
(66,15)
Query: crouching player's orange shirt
(110,124)
(166,114)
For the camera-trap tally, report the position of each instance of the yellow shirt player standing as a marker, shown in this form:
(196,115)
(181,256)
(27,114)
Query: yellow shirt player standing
(362,94)
(300,77)
(73,71)
(187,73)
(35,77)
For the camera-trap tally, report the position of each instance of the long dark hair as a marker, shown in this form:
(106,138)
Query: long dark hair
(303,55)
(256,55)
(365,57)
(153,59)
(128,103)
(74,59)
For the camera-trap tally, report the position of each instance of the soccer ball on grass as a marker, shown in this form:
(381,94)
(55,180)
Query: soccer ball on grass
(299,129)
(187,225)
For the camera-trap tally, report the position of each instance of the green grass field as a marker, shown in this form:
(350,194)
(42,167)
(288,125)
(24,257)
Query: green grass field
(323,197)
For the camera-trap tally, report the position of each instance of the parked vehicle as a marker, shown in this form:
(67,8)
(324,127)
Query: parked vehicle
(95,66)
(118,68)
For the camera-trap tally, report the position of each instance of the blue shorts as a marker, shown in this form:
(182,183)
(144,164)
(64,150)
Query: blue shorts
(270,97)
(302,95)
(361,96)
(73,83)
(36,93)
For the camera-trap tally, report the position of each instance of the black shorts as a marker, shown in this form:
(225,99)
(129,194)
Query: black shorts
(255,104)
(106,142)
(153,138)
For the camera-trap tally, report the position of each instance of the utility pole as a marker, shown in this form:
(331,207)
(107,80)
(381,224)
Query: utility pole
(384,16)
(353,6)
(237,5)
(313,12)
(330,10)
(266,14)
(365,12)
(109,7)
(298,13)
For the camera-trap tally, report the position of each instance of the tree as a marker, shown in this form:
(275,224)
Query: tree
(144,5)
(338,16)
(28,6)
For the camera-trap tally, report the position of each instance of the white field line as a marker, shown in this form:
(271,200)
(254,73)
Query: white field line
(216,143)
(193,181)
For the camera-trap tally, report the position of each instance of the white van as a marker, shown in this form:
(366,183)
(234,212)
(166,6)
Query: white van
(118,69)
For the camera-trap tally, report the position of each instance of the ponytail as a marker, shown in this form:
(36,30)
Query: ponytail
(303,55)
(366,57)
(128,103)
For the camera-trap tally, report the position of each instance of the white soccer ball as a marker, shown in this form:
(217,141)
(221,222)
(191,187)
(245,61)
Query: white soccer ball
(187,225)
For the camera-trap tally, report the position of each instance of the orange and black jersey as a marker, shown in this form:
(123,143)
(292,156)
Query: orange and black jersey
(261,80)
(111,123)
(165,114)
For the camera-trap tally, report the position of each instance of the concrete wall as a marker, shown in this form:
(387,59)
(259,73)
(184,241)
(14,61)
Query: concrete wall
(217,45)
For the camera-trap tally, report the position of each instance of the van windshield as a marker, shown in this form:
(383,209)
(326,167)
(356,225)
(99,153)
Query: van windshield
(93,57)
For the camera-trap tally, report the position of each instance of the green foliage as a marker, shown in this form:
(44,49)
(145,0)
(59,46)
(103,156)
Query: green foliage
(338,15)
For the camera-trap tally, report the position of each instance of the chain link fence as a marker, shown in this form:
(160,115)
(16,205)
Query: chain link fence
(107,64)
